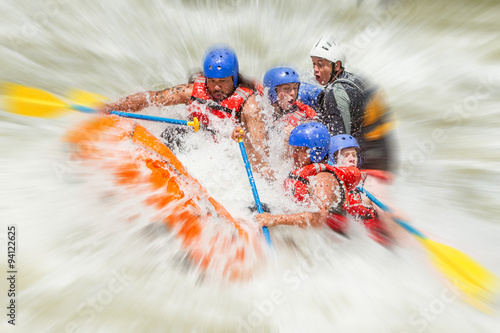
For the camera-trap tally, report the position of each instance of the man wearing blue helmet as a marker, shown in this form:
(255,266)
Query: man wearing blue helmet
(314,181)
(348,105)
(216,94)
(283,87)
(282,84)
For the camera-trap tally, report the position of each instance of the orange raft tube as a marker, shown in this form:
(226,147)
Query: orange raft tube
(213,239)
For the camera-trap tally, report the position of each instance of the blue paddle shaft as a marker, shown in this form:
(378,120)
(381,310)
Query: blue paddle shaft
(250,177)
(266,235)
(254,188)
(144,117)
(385,208)
(82,108)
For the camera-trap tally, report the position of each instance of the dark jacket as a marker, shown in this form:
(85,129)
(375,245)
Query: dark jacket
(343,104)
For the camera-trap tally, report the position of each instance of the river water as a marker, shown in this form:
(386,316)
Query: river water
(87,260)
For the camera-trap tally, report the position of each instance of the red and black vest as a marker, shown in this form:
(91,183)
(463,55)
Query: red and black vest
(298,180)
(230,107)
(348,177)
(355,207)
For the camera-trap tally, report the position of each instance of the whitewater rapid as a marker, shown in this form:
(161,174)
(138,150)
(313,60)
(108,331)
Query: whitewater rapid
(89,259)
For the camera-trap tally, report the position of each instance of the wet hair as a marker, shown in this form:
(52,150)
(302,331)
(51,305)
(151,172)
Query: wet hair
(245,82)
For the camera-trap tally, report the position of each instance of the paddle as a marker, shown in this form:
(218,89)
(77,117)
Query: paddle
(80,97)
(33,102)
(468,275)
(254,188)
(193,123)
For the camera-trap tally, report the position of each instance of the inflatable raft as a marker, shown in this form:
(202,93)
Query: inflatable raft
(138,161)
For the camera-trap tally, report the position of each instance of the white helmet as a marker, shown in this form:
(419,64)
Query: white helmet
(328,49)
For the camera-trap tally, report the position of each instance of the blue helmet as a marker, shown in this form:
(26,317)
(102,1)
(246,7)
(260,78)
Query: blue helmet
(339,142)
(221,62)
(314,136)
(308,94)
(277,76)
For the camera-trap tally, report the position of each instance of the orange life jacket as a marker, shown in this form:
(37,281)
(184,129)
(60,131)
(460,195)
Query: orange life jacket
(229,107)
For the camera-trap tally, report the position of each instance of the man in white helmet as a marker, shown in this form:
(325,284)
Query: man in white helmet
(347,105)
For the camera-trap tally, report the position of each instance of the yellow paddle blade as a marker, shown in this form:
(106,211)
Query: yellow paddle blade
(33,102)
(85,98)
(469,276)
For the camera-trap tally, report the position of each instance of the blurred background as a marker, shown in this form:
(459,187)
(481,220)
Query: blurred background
(85,267)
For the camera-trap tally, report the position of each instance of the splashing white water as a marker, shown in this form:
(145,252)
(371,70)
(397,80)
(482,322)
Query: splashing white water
(89,259)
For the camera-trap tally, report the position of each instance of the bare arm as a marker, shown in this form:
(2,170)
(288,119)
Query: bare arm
(322,190)
(180,94)
(301,220)
(253,124)
(257,158)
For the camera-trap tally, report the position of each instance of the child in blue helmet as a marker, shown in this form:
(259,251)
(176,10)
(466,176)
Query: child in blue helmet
(215,94)
(344,151)
(313,182)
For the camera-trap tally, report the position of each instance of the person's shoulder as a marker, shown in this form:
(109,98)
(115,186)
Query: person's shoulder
(351,78)
(361,79)
(251,104)
(326,177)
(351,83)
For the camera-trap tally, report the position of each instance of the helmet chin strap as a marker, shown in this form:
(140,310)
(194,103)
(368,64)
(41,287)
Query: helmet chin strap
(334,74)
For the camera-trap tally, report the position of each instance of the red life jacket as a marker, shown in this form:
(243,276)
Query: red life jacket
(259,88)
(298,180)
(294,118)
(229,107)
(384,176)
(367,215)
(348,178)
(354,206)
